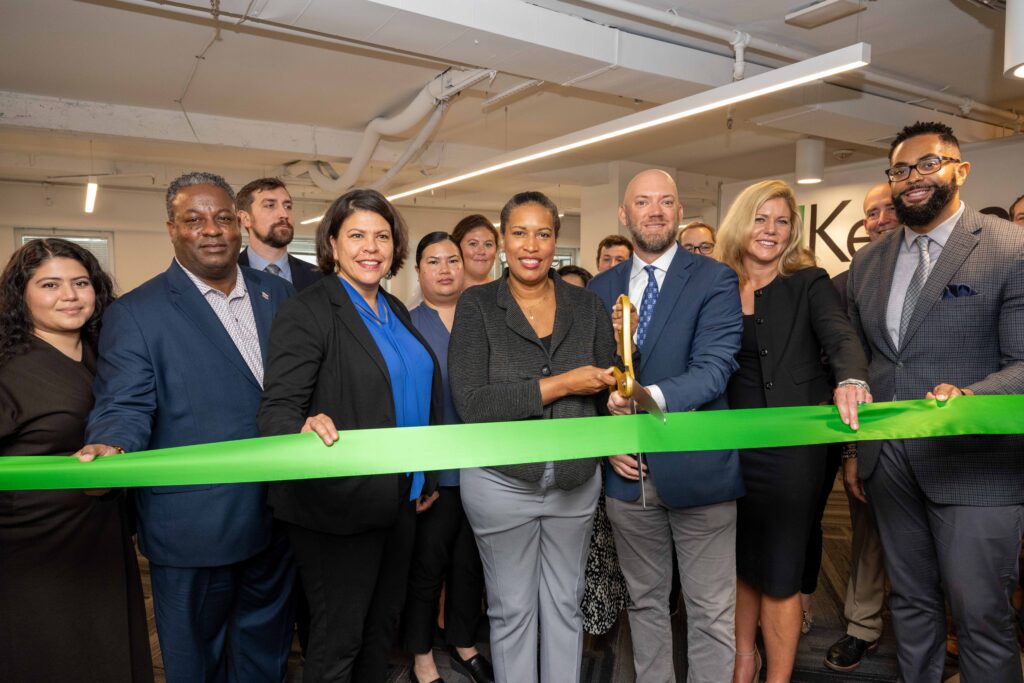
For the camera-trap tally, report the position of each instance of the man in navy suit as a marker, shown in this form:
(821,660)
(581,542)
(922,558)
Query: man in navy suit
(688,336)
(265,211)
(181,362)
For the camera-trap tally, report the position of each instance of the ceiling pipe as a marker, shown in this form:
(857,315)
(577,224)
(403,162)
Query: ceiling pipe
(413,148)
(428,101)
(727,35)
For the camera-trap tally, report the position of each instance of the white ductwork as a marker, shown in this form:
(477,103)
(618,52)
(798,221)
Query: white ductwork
(430,100)
(709,30)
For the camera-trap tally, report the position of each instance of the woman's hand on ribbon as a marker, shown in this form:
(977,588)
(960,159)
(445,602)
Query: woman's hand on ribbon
(323,426)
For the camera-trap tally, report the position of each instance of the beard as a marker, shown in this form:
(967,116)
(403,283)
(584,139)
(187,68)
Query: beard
(656,244)
(923,214)
(278,236)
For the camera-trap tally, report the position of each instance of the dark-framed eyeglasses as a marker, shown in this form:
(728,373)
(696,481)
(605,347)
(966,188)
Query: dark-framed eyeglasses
(925,166)
(704,248)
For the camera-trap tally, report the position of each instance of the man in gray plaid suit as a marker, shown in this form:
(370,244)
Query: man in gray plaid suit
(939,305)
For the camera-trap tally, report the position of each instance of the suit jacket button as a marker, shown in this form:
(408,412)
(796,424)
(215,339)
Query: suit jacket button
(764,352)
(759,321)
(899,364)
(768,385)
(545,371)
(758,292)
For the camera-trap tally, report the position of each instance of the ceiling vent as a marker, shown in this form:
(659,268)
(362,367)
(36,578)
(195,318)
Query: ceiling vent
(823,12)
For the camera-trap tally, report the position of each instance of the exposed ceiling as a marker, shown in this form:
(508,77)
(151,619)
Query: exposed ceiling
(116,87)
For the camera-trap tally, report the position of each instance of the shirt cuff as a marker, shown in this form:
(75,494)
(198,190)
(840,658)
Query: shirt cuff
(658,397)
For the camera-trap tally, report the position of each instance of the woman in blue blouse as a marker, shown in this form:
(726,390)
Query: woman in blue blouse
(445,550)
(344,354)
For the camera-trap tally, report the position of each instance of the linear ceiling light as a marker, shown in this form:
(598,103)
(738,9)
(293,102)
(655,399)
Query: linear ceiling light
(91,188)
(807,71)
(1013,45)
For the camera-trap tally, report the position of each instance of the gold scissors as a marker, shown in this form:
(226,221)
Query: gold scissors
(626,383)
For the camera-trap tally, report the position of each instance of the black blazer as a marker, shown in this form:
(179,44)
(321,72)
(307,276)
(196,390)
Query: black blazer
(496,362)
(796,318)
(322,359)
(303,274)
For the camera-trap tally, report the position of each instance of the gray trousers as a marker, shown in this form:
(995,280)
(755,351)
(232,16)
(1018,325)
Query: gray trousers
(705,544)
(865,591)
(533,539)
(971,552)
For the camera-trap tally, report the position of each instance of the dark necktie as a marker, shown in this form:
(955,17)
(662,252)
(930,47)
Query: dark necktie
(273,269)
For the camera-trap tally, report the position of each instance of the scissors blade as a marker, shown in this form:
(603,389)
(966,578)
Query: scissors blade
(646,402)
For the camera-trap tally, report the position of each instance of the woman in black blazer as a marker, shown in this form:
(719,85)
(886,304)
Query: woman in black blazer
(791,312)
(530,346)
(344,354)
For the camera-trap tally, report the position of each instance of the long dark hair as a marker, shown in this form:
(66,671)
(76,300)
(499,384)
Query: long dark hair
(15,320)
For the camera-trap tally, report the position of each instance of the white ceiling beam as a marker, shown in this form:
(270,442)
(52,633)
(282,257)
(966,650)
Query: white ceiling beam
(102,118)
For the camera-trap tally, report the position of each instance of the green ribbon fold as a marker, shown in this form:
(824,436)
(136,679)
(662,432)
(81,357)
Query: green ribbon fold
(383,451)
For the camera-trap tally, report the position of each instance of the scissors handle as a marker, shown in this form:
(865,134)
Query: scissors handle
(625,380)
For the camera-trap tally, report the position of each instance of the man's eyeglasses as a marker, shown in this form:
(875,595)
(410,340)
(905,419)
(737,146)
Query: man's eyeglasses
(704,247)
(925,166)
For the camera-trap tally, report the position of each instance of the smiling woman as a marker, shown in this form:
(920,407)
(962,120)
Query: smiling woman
(791,312)
(527,346)
(67,557)
(344,354)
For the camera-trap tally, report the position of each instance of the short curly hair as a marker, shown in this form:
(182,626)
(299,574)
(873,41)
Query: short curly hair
(944,132)
(190,180)
(16,326)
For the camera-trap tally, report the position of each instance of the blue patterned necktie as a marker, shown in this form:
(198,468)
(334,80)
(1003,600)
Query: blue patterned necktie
(647,303)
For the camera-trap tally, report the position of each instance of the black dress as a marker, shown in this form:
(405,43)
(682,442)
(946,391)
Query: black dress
(71,606)
(775,517)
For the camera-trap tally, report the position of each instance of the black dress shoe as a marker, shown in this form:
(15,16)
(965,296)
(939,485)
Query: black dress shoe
(846,653)
(413,679)
(477,668)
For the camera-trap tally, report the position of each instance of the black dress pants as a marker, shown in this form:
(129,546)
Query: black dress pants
(355,584)
(445,552)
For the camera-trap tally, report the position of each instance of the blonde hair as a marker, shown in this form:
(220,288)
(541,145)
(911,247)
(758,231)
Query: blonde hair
(738,224)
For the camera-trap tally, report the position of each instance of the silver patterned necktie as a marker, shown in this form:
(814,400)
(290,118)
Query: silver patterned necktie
(273,269)
(924,267)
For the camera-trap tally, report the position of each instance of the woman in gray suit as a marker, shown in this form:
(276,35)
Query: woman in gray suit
(530,346)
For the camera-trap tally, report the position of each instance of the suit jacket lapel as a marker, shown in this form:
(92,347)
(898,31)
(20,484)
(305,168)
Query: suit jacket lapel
(563,315)
(890,251)
(962,241)
(262,309)
(346,311)
(514,317)
(675,280)
(186,297)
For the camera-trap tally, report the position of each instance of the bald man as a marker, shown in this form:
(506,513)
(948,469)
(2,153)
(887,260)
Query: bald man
(688,336)
(865,590)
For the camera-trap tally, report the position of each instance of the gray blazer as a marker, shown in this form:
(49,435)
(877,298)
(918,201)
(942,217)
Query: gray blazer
(496,362)
(967,330)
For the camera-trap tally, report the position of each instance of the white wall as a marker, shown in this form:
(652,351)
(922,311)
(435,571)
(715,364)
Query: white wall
(996,179)
(141,246)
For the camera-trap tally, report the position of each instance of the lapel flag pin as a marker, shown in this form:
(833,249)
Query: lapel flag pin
(265,296)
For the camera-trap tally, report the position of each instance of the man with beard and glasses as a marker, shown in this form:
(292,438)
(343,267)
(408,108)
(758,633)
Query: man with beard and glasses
(690,322)
(865,590)
(265,211)
(940,309)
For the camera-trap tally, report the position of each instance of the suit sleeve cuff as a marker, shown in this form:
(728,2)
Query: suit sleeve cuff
(659,398)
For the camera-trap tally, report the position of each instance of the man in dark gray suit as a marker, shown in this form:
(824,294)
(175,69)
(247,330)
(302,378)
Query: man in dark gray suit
(939,305)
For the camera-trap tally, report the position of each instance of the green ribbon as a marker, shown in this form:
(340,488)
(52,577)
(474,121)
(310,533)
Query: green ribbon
(383,451)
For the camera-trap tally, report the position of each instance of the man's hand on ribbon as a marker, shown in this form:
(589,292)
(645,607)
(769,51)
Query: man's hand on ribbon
(847,397)
(943,392)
